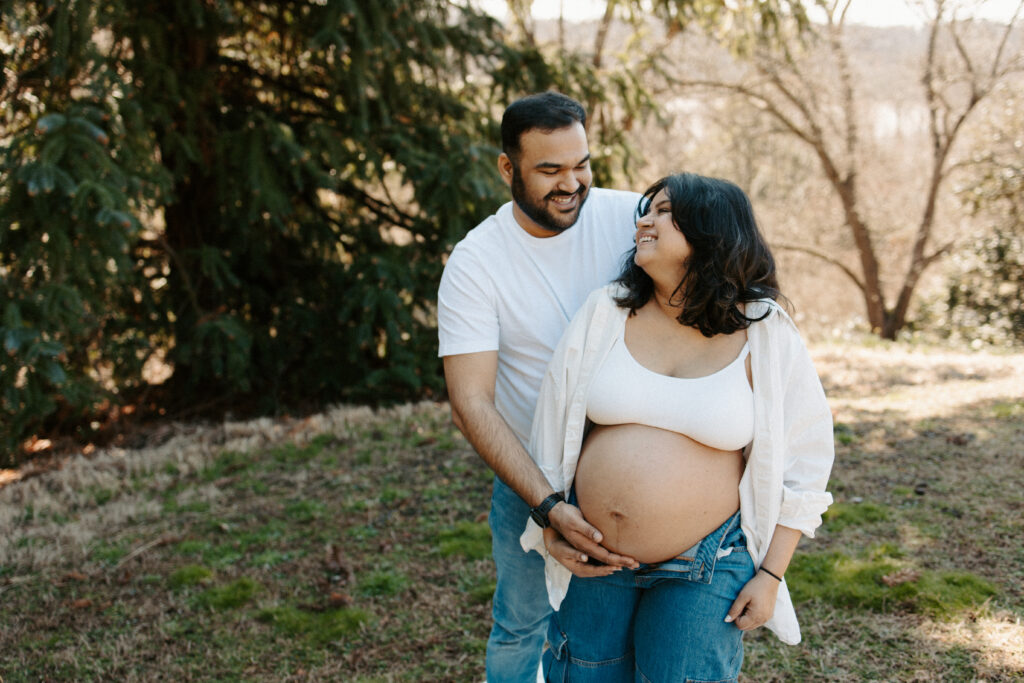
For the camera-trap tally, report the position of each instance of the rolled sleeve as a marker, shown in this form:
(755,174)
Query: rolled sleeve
(802,510)
(809,444)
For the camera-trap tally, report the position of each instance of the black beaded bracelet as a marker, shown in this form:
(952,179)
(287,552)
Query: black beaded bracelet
(772,574)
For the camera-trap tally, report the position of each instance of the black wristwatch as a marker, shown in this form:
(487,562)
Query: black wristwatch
(539,514)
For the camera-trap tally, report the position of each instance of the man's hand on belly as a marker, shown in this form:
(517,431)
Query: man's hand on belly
(574,542)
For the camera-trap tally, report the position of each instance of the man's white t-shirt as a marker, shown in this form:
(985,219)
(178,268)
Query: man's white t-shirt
(504,290)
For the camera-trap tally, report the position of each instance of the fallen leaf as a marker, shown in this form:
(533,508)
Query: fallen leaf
(339,600)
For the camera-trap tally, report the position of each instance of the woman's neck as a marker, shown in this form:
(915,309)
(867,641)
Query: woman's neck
(670,306)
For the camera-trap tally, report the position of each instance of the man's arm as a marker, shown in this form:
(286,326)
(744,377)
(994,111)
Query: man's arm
(471,378)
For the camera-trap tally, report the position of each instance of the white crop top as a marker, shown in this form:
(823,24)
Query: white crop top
(716,410)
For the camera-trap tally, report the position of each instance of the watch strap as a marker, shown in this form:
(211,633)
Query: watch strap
(540,513)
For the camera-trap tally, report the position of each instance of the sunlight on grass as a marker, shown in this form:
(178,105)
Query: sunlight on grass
(883,584)
(1009,409)
(842,515)
(997,639)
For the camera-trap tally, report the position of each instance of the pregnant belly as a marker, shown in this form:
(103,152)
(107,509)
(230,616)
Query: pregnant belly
(654,493)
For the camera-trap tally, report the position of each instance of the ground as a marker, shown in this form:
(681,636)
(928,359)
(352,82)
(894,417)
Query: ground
(352,545)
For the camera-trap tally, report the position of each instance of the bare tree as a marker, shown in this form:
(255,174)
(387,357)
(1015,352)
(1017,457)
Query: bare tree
(784,80)
(612,65)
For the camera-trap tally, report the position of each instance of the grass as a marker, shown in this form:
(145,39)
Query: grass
(353,545)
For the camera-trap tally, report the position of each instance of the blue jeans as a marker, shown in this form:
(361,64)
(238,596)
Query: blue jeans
(661,623)
(520,605)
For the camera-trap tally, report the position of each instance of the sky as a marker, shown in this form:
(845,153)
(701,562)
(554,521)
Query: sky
(875,12)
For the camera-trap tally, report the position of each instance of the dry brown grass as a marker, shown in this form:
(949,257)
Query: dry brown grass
(349,510)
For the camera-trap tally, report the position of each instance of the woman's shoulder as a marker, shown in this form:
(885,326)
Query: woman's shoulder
(605,295)
(768,311)
(599,308)
(772,325)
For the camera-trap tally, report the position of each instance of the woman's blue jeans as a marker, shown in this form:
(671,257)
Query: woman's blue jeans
(661,623)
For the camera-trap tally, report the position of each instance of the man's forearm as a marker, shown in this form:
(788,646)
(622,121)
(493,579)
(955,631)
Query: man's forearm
(497,444)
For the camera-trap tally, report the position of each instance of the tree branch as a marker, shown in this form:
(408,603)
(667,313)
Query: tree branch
(811,251)
(1006,36)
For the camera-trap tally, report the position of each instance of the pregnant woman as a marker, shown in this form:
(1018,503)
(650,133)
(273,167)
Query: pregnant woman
(683,415)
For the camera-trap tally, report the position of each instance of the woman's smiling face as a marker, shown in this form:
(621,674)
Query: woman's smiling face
(661,247)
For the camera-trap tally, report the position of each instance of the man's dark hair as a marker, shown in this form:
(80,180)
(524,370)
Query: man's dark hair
(729,261)
(546,111)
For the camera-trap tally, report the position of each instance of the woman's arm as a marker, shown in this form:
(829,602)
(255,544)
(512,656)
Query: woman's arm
(756,602)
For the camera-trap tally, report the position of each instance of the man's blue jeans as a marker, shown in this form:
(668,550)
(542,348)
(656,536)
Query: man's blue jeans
(520,606)
(660,623)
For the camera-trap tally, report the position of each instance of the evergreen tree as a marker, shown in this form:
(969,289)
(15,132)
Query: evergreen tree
(265,191)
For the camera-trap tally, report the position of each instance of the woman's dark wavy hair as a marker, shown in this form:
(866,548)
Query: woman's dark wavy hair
(729,262)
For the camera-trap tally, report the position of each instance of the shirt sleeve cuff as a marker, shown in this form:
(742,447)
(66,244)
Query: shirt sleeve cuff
(802,510)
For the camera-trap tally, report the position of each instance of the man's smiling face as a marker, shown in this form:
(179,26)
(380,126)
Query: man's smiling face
(551,179)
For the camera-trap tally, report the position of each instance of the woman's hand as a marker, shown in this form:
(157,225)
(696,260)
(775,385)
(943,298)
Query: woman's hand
(572,559)
(756,602)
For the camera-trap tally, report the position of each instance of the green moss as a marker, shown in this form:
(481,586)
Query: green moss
(883,584)
(319,627)
(843,433)
(230,596)
(482,592)
(943,594)
(1008,409)
(471,540)
(842,515)
(189,575)
(886,550)
(383,582)
(304,511)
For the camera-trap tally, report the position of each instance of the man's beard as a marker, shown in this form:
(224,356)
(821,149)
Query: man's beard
(539,213)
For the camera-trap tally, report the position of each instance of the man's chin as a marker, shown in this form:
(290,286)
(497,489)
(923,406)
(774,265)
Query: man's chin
(564,221)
